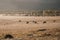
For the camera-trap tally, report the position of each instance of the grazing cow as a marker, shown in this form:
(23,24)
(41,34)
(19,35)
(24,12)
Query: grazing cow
(27,22)
(44,22)
(34,21)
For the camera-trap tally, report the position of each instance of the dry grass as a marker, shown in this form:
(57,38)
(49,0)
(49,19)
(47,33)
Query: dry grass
(30,28)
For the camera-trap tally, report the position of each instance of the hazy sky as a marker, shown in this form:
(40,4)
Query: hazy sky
(29,4)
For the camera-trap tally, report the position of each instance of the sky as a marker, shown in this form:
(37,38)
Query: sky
(29,4)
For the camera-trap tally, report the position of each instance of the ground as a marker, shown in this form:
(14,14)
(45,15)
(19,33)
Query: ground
(30,28)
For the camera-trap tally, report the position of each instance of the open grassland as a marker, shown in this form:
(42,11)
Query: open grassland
(30,28)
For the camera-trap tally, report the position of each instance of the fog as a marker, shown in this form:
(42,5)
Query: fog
(29,4)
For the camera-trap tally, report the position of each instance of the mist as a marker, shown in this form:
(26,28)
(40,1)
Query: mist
(29,4)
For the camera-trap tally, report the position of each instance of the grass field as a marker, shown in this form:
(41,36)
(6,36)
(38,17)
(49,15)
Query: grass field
(30,28)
